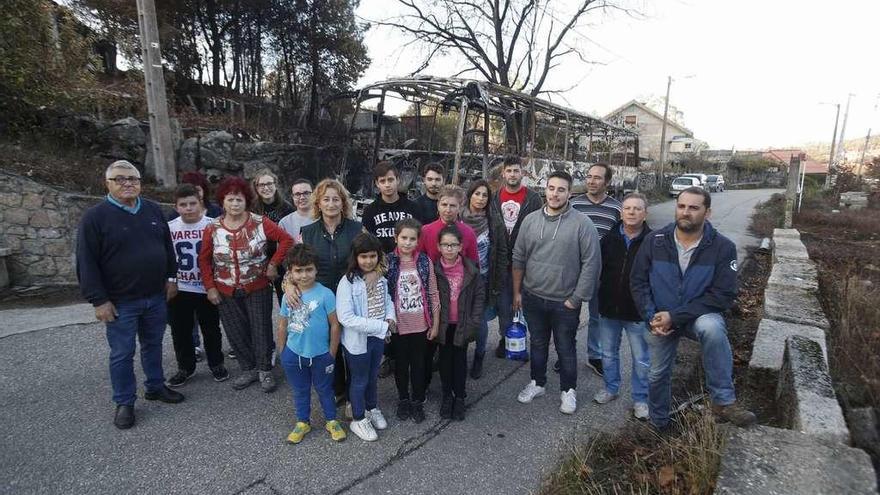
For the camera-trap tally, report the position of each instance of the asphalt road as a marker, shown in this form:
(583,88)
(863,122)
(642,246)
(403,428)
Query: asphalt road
(58,437)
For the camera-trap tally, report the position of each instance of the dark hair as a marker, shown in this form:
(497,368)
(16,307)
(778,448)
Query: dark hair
(185,191)
(408,223)
(608,171)
(302,181)
(560,174)
(196,179)
(450,229)
(434,167)
(473,188)
(511,160)
(301,255)
(234,185)
(382,168)
(699,191)
(362,243)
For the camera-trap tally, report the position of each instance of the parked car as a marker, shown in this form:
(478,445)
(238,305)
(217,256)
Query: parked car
(701,177)
(682,183)
(715,183)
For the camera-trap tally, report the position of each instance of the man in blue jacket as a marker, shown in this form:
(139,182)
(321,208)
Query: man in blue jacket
(683,278)
(127,269)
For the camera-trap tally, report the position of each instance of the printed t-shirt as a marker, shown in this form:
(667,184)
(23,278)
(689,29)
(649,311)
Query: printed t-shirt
(308,330)
(483,245)
(510,206)
(187,239)
(410,303)
(455,274)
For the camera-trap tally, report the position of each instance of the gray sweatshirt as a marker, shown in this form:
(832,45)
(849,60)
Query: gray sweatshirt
(559,254)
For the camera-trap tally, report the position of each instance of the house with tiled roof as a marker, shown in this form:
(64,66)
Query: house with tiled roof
(649,124)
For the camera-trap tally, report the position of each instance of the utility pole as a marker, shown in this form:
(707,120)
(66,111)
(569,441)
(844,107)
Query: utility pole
(867,138)
(663,130)
(841,153)
(833,144)
(157,104)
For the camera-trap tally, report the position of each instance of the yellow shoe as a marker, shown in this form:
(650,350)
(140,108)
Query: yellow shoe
(299,431)
(337,433)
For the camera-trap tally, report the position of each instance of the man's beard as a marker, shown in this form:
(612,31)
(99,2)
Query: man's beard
(688,226)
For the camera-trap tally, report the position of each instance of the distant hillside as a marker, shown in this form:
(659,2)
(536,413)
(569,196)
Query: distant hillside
(853,147)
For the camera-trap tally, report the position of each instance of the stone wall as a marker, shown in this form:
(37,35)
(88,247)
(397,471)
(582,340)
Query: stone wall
(38,224)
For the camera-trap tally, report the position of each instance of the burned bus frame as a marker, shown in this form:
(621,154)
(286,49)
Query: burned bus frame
(522,115)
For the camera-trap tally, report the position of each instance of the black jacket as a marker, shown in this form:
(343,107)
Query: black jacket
(533,203)
(380,218)
(615,298)
(470,303)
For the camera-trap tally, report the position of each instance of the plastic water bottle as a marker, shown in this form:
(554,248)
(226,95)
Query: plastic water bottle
(515,339)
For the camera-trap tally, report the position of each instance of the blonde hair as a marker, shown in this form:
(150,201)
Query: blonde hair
(321,188)
(452,191)
(258,206)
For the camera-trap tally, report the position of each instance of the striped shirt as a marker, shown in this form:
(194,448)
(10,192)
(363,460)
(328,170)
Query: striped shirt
(604,215)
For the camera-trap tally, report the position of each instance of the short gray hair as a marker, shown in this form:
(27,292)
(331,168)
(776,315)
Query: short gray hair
(123,164)
(636,195)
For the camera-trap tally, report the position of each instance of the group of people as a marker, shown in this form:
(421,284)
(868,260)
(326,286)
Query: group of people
(408,289)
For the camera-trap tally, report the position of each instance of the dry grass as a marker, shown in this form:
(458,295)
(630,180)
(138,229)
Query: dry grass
(855,225)
(768,216)
(639,461)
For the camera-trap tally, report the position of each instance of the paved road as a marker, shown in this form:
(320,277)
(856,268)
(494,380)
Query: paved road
(57,435)
(731,211)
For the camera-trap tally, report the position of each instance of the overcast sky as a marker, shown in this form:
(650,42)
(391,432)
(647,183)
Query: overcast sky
(760,67)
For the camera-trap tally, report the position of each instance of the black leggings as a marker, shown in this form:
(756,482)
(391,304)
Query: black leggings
(409,365)
(453,365)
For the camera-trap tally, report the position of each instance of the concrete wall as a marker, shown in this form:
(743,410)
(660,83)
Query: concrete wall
(38,224)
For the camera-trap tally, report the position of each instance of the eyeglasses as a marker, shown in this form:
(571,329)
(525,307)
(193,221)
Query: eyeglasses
(121,180)
(264,185)
(453,245)
(302,194)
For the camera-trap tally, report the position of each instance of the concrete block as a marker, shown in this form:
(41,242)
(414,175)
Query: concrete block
(805,396)
(787,233)
(768,349)
(769,461)
(863,429)
(789,248)
(794,305)
(800,274)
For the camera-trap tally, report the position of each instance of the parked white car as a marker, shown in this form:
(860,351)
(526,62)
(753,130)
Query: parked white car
(702,178)
(682,183)
(715,183)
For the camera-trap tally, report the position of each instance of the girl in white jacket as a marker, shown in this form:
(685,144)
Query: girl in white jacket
(366,313)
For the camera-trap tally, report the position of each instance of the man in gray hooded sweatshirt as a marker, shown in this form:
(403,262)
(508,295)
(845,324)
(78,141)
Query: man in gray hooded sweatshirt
(556,262)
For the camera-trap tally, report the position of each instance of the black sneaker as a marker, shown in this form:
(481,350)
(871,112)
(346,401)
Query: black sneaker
(404,410)
(220,373)
(446,407)
(179,378)
(458,408)
(501,350)
(595,365)
(418,412)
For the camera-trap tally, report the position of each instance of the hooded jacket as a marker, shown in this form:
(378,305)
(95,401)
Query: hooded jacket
(615,298)
(560,255)
(708,285)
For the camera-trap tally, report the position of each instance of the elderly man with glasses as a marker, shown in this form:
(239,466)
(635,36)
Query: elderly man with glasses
(126,267)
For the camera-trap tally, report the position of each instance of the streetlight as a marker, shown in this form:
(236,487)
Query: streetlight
(833,143)
(663,129)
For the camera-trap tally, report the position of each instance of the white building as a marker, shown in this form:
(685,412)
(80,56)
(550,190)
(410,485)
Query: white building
(649,125)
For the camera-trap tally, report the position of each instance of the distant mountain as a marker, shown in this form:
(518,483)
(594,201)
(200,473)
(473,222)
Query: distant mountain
(853,148)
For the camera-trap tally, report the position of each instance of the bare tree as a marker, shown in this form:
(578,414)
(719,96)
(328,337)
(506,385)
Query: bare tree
(514,43)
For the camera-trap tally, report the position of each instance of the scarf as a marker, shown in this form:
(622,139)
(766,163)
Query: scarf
(479,222)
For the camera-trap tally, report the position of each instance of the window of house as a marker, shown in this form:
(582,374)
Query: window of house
(687,146)
(630,120)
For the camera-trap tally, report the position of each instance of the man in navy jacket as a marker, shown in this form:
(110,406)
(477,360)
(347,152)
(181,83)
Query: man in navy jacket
(126,267)
(683,278)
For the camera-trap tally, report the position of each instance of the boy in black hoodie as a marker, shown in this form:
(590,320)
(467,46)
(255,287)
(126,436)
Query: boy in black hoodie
(388,208)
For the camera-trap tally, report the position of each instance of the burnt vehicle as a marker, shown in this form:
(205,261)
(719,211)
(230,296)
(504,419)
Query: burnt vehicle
(469,126)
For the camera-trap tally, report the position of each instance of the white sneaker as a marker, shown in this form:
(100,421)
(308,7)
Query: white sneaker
(377,419)
(531,391)
(640,410)
(364,430)
(569,402)
(604,397)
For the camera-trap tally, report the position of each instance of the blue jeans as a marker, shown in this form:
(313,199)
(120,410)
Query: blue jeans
(711,332)
(594,330)
(144,318)
(610,330)
(364,370)
(303,373)
(546,318)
